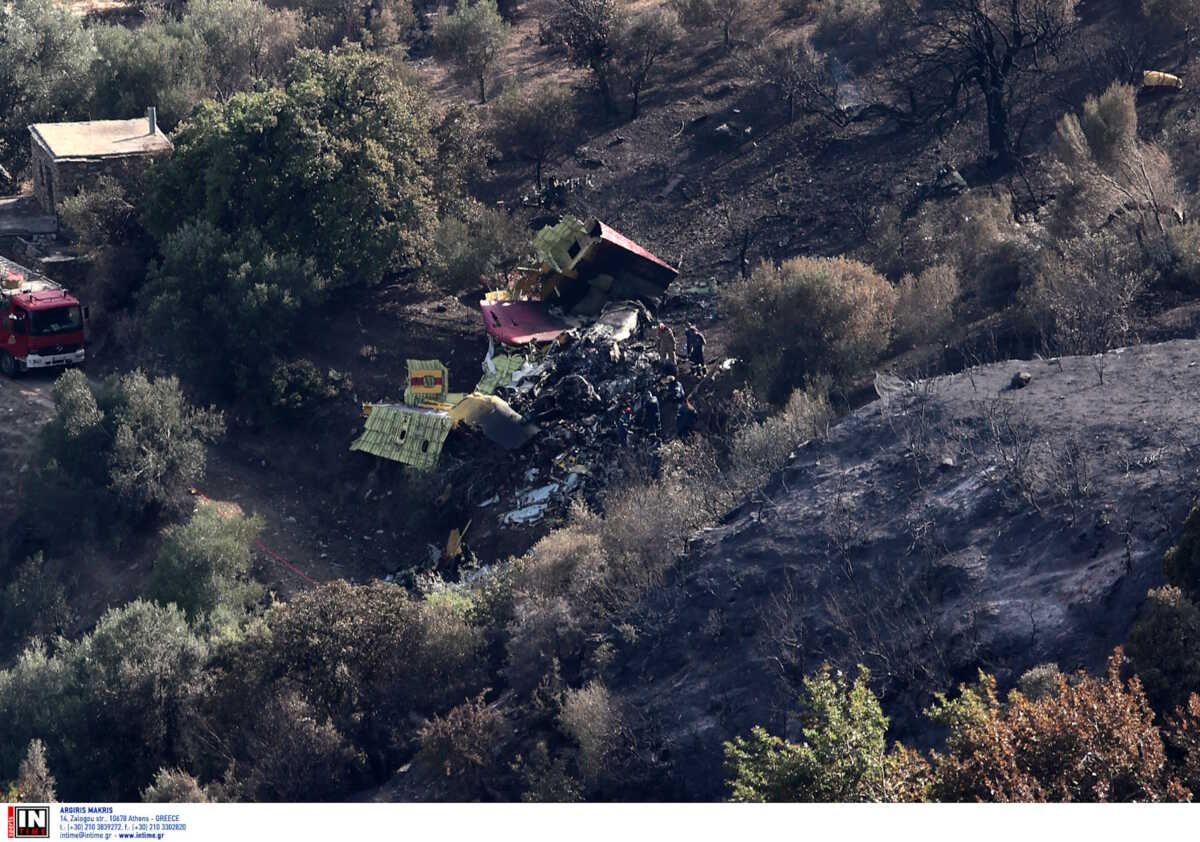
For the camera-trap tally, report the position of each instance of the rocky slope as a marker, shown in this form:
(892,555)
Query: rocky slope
(968,522)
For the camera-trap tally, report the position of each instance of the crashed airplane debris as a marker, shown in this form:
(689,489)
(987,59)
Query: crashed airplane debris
(414,432)
(569,398)
(583,268)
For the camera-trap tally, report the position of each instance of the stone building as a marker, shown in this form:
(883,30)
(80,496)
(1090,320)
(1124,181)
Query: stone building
(68,157)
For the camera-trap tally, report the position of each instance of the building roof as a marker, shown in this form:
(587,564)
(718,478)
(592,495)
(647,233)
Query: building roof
(100,138)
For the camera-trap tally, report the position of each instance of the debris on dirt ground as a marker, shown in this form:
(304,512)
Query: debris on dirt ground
(1159,79)
(1020,380)
(575,373)
(949,181)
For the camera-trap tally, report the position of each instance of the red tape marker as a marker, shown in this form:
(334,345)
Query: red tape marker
(271,554)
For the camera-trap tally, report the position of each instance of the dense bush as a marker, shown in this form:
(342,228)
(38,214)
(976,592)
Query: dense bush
(216,48)
(1184,245)
(468,250)
(174,786)
(121,453)
(203,564)
(298,754)
(925,304)
(592,717)
(1106,174)
(534,123)
(395,652)
(35,603)
(375,24)
(809,317)
(464,745)
(45,52)
(1164,647)
(843,757)
(34,781)
(1181,564)
(1093,739)
(346,135)
(760,449)
(107,705)
(276,198)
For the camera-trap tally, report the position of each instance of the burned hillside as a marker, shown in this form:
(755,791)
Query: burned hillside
(985,521)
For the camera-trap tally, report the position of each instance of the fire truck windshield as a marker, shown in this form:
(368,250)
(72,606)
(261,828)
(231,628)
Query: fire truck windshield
(56,320)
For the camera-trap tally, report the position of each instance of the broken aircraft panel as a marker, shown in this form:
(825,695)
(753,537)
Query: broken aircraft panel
(520,322)
(428,381)
(408,434)
(586,265)
(498,421)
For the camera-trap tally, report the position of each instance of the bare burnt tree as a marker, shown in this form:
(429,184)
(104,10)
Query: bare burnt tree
(949,50)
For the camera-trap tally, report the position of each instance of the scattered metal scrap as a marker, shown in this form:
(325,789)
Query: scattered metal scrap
(569,397)
(582,268)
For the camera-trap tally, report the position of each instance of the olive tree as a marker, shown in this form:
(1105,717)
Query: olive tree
(534,123)
(649,36)
(471,38)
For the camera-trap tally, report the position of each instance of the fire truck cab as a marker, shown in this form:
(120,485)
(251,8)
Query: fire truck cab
(41,324)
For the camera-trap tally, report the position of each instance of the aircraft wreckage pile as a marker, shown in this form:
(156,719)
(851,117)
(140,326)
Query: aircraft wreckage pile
(571,356)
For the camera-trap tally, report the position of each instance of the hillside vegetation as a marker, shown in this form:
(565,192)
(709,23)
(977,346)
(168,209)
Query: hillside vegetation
(927,537)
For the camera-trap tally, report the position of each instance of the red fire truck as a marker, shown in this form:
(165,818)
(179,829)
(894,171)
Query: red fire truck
(41,324)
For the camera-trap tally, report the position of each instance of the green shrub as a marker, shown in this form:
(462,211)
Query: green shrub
(1040,681)
(107,705)
(203,564)
(545,630)
(534,123)
(1181,564)
(760,449)
(174,786)
(45,52)
(1164,647)
(35,603)
(471,38)
(122,453)
(1184,243)
(298,755)
(34,781)
(843,757)
(297,387)
(592,717)
(368,655)
(470,249)
(1083,297)
(806,318)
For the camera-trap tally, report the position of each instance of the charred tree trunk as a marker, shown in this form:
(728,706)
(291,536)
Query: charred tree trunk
(999,134)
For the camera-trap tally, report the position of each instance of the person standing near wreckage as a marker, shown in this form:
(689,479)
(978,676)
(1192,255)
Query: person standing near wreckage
(694,340)
(651,414)
(666,344)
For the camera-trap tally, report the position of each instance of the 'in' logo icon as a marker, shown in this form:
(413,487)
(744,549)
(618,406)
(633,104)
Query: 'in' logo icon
(26,822)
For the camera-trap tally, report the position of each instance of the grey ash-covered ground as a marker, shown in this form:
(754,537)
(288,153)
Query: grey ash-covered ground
(954,525)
